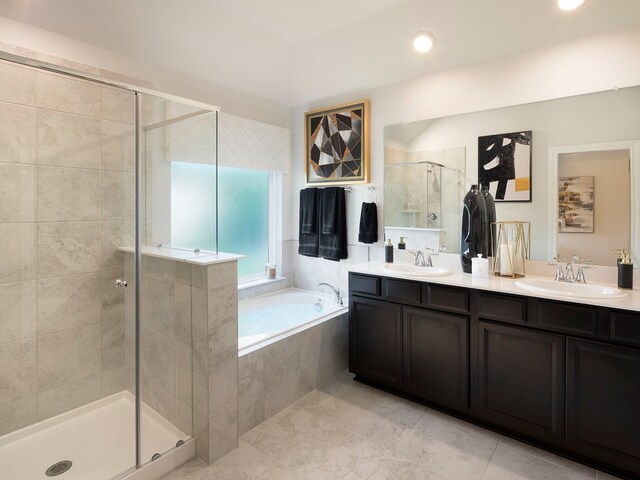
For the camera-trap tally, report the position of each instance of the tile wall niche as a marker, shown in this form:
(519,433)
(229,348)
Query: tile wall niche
(66,205)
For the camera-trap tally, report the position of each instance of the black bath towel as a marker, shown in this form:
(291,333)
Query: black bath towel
(333,223)
(309,228)
(368,223)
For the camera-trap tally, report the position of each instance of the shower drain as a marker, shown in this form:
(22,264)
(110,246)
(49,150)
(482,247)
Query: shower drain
(58,468)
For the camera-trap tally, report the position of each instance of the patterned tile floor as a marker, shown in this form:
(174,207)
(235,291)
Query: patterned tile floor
(346,430)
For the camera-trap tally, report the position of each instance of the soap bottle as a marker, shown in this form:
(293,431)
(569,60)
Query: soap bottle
(388,251)
(402,244)
(625,269)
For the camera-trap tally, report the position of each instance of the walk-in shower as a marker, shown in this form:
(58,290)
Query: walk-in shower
(95,343)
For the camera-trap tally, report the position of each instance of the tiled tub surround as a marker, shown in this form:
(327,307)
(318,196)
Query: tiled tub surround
(273,377)
(66,205)
(189,343)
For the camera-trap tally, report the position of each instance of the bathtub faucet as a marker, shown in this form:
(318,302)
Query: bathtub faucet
(336,291)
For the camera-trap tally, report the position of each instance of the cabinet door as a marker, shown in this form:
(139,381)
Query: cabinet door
(436,356)
(603,402)
(521,380)
(375,341)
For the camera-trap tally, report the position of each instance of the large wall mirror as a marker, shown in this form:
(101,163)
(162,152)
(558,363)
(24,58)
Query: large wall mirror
(585,175)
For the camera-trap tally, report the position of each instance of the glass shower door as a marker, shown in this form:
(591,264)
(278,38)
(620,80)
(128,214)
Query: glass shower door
(66,209)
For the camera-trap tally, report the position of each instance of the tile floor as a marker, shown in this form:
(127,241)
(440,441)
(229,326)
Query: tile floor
(346,430)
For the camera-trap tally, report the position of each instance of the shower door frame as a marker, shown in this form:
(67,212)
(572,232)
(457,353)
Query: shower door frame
(138,91)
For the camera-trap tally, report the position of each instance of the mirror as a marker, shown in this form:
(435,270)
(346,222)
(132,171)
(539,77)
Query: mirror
(593,209)
(423,190)
(576,124)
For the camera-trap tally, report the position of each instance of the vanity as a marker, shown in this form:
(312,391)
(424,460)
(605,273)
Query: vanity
(564,375)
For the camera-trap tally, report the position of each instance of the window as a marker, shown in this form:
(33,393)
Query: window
(243,217)
(246,213)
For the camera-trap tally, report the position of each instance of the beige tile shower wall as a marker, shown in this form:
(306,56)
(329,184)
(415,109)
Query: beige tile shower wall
(66,205)
(274,377)
(214,306)
(165,337)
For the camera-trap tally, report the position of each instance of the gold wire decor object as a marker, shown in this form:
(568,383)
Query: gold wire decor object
(512,248)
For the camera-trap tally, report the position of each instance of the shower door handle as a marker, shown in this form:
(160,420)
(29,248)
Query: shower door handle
(121,283)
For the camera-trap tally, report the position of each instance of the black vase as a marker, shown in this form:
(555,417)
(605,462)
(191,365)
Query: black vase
(473,233)
(490,230)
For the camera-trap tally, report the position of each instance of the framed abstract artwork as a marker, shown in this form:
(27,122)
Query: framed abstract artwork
(337,145)
(575,204)
(504,163)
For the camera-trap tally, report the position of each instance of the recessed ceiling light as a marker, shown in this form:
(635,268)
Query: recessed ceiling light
(424,42)
(568,5)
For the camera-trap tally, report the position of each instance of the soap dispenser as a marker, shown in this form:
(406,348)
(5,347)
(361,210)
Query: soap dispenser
(402,245)
(625,268)
(388,251)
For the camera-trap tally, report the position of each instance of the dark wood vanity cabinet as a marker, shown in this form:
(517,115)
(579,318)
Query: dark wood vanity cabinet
(436,356)
(603,402)
(521,377)
(563,375)
(375,340)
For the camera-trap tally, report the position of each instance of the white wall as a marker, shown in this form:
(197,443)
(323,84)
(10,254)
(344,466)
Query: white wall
(162,79)
(583,66)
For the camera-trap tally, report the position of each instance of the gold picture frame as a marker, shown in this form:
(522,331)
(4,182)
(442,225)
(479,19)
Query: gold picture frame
(337,144)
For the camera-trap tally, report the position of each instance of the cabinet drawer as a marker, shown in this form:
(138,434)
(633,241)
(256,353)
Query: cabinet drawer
(446,298)
(567,317)
(364,284)
(402,291)
(624,327)
(506,308)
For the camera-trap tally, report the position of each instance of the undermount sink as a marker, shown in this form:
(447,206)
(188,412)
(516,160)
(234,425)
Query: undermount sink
(570,290)
(416,271)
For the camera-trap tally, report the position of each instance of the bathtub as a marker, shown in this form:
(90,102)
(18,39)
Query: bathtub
(290,342)
(269,318)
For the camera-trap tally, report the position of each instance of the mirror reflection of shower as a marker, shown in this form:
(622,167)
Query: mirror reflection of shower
(423,191)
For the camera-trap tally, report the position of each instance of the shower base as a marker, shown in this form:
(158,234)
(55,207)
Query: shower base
(99,440)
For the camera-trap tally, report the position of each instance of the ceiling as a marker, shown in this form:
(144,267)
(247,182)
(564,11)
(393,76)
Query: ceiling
(294,52)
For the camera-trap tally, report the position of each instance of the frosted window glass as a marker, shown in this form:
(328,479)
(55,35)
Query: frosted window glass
(243,216)
(243,220)
(193,206)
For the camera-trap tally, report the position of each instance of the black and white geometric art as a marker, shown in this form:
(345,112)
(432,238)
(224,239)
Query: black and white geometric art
(337,144)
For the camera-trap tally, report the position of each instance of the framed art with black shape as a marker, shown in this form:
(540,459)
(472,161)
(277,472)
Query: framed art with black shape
(504,163)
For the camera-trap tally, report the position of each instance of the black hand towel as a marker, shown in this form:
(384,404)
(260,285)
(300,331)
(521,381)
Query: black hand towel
(309,210)
(333,219)
(368,223)
(308,228)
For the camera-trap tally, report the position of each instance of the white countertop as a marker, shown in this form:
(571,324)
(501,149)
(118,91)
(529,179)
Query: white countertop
(188,256)
(502,285)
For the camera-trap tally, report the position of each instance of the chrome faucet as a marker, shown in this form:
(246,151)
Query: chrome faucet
(419,259)
(568,274)
(336,291)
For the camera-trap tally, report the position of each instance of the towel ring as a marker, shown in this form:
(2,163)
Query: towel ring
(371,189)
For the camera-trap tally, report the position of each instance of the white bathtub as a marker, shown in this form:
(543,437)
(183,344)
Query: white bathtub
(269,318)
